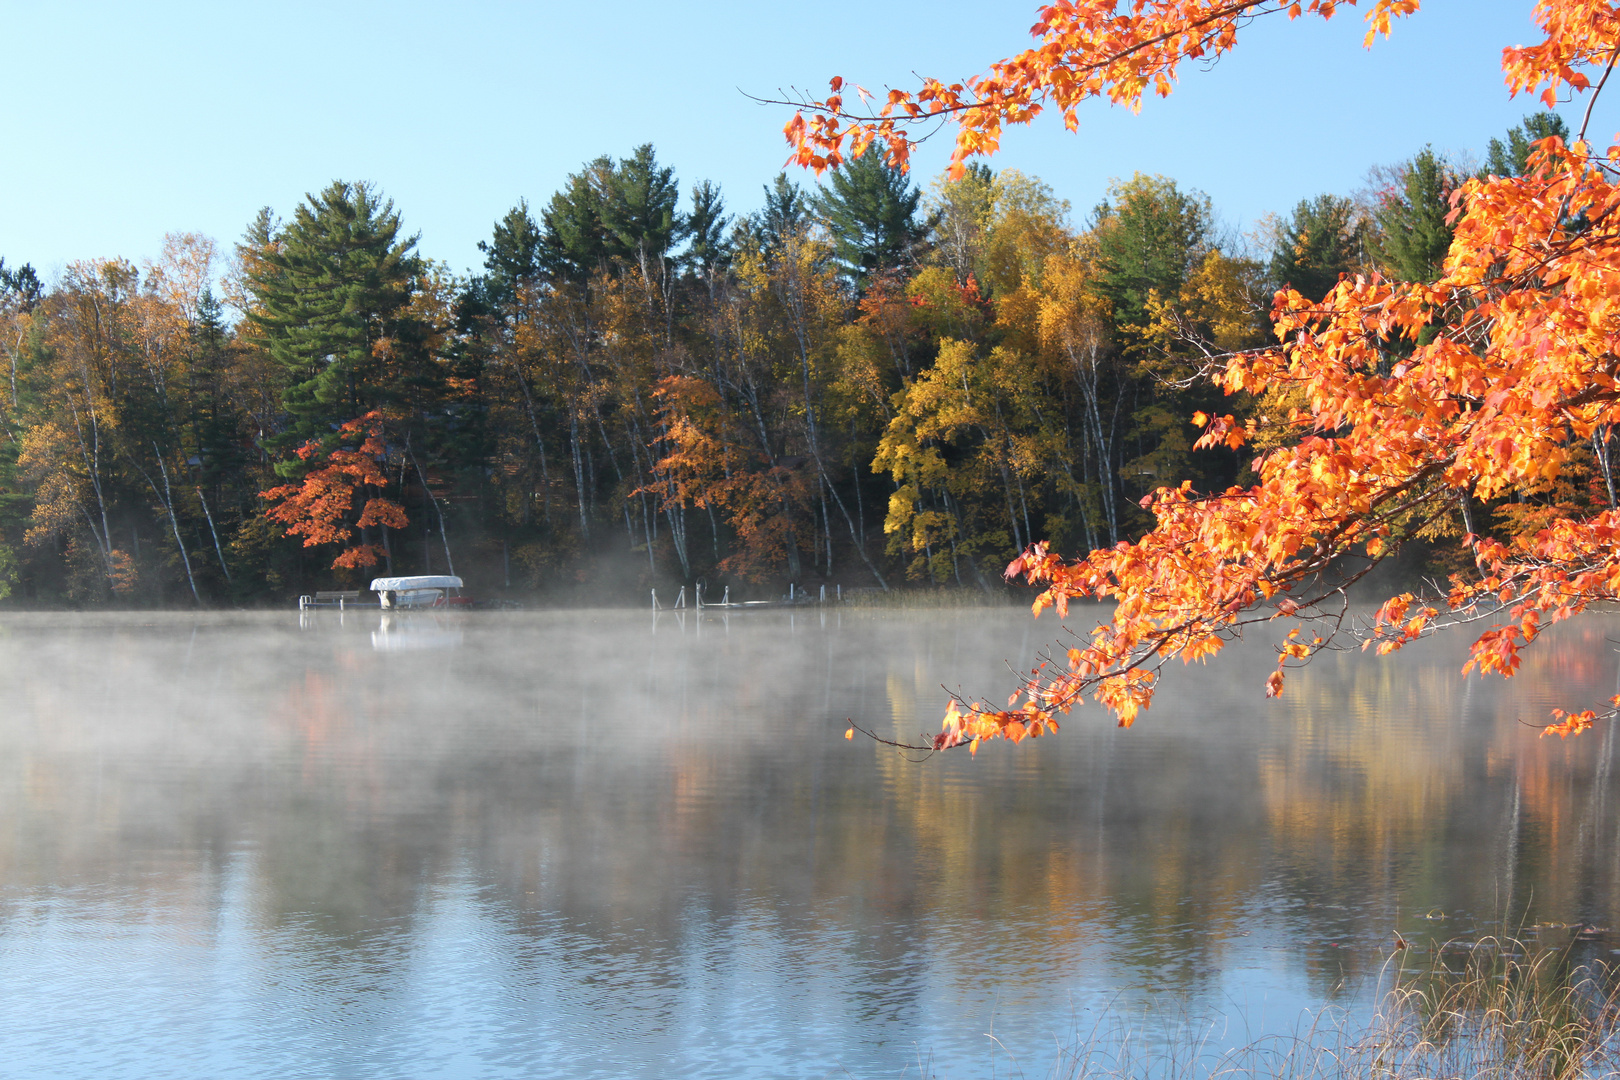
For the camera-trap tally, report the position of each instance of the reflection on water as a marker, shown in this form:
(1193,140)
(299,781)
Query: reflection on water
(493,844)
(408,631)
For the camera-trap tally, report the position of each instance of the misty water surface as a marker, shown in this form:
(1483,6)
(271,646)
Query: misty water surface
(574,844)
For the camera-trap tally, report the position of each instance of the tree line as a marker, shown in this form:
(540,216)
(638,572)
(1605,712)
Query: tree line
(869,383)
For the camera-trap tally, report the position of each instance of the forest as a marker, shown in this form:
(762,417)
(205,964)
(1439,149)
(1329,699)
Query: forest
(867,383)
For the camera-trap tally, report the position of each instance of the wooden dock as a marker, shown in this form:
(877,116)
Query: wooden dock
(342,599)
(795,599)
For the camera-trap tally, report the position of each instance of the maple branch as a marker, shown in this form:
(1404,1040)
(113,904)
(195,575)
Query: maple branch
(1234,10)
(1160,642)
(1216,618)
(928,749)
(1086,49)
(1586,118)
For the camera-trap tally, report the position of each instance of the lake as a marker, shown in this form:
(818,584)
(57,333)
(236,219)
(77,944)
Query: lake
(595,844)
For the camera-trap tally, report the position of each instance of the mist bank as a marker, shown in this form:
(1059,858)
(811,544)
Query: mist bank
(549,839)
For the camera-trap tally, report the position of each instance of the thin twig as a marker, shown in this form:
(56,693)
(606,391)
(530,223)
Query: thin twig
(1587,117)
(927,748)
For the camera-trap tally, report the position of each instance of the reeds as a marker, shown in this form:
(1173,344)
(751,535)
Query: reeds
(1495,1009)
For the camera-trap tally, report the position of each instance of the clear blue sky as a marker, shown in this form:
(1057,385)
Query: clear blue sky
(124,121)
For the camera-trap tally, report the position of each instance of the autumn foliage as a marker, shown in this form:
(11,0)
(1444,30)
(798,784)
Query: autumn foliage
(712,465)
(1410,407)
(321,509)
(1087,49)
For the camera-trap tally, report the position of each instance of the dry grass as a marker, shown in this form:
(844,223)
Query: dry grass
(1490,1010)
(1496,1009)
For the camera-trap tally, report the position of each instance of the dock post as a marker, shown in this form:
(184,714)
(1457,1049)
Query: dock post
(725,597)
(840,593)
(823,597)
(697,593)
(790,592)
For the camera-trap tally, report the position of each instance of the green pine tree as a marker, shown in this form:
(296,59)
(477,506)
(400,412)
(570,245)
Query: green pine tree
(331,285)
(639,210)
(622,213)
(707,248)
(20,288)
(512,255)
(786,211)
(1411,216)
(1322,240)
(573,242)
(1512,157)
(222,453)
(870,210)
(1150,234)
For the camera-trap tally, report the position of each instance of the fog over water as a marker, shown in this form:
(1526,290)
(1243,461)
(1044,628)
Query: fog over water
(589,844)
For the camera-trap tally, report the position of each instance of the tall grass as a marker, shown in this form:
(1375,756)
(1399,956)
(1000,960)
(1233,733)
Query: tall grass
(1490,1010)
(1506,1010)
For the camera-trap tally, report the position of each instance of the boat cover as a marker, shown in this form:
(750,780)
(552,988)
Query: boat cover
(425,581)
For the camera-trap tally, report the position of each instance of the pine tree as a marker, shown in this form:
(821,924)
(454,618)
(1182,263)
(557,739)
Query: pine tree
(786,211)
(871,211)
(707,248)
(1412,216)
(1321,241)
(512,255)
(1150,234)
(1512,158)
(20,288)
(331,286)
(612,213)
(573,243)
(639,210)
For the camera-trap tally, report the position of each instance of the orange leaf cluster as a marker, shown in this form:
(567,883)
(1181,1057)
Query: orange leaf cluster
(971,726)
(1415,399)
(1571,724)
(319,508)
(1578,34)
(1086,49)
(706,463)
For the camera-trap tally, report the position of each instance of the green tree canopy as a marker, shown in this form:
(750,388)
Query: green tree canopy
(1322,240)
(707,247)
(639,208)
(1411,213)
(785,213)
(328,288)
(611,212)
(1150,234)
(870,210)
(1511,158)
(20,286)
(785,208)
(573,242)
(512,254)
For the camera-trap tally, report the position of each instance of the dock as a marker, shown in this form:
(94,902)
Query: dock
(796,598)
(342,599)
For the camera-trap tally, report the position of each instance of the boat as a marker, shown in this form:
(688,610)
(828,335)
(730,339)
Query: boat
(421,591)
